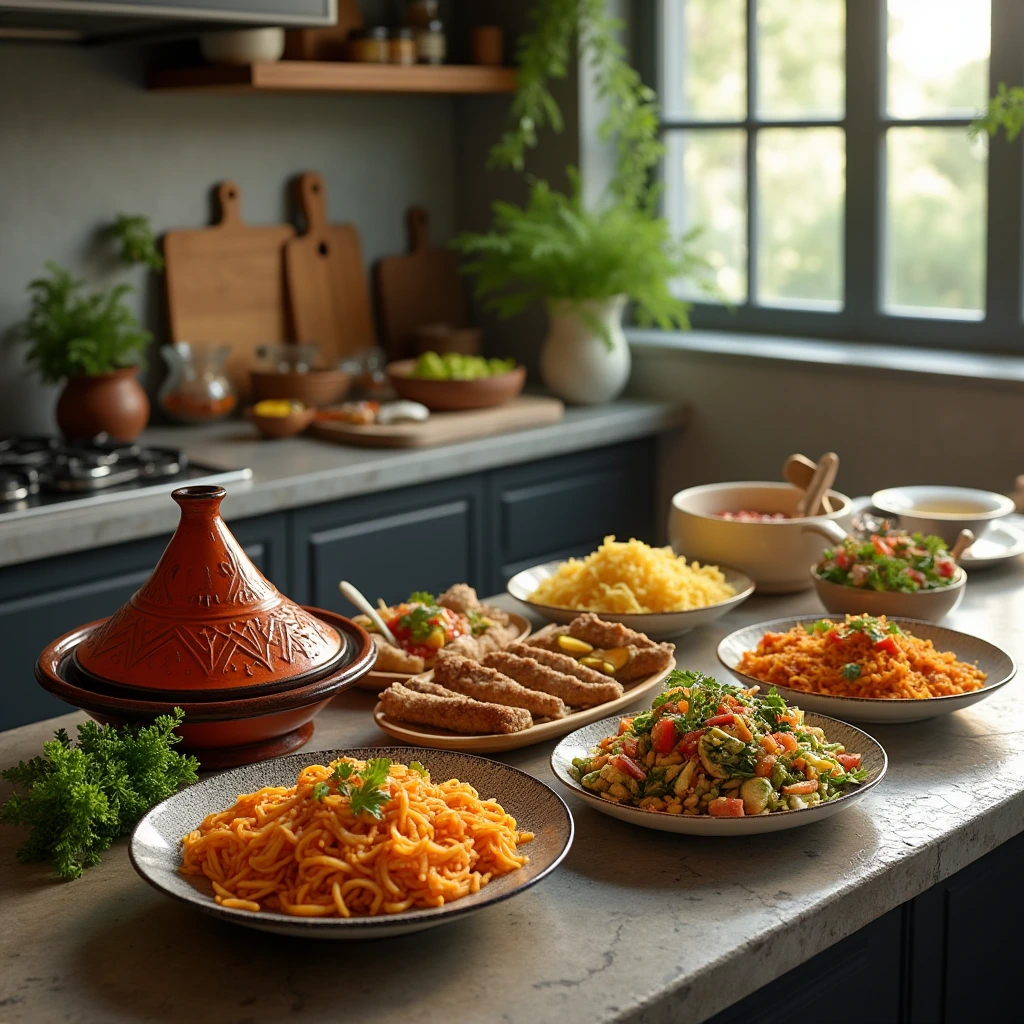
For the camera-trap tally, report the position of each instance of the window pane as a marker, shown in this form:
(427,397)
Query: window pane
(704,59)
(935,222)
(801,47)
(938,57)
(706,189)
(800,187)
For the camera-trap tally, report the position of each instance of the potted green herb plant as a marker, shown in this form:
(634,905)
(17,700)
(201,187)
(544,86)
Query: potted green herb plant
(94,344)
(585,262)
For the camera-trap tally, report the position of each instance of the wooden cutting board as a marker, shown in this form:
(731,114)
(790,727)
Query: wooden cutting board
(327,287)
(521,413)
(422,286)
(226,283)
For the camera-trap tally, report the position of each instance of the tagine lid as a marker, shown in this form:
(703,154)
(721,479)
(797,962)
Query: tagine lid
(208,619)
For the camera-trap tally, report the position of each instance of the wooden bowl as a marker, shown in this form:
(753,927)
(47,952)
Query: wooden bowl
(444,395)
(221,733)
(283,426)
(315,388)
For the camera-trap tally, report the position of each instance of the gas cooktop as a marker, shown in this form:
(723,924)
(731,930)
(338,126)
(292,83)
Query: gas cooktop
(48,474)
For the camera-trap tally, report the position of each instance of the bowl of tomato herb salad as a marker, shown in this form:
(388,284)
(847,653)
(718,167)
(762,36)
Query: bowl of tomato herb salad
(711,758)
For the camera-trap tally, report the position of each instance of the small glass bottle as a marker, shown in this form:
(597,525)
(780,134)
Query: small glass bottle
(431,43)
(369,45)
(402,46)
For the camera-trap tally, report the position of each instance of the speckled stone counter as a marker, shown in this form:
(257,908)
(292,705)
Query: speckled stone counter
(635,926)
(304,471)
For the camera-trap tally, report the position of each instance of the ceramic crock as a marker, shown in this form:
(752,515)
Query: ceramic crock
(104,403)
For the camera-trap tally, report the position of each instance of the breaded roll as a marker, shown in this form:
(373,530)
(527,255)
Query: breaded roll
(595,631)
(474,680)
(559,662)
(456,713)
(531,673)
(460,597)
(646,661)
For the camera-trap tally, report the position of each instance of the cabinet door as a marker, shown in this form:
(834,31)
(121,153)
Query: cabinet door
(565,506)
(390,544)
(42,600)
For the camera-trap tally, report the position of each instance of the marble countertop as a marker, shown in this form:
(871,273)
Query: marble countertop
(302,471)
(635,926)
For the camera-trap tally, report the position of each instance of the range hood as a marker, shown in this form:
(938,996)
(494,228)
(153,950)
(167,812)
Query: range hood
(80,20)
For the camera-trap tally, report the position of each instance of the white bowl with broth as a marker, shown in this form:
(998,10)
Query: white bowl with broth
(943,511)
(774,553)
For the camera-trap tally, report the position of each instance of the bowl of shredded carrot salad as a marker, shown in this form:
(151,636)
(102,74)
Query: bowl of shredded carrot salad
(359,844)
(869,668)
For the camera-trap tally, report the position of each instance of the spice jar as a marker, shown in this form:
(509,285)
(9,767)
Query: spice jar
(431,44)
(369,45)
(402,46)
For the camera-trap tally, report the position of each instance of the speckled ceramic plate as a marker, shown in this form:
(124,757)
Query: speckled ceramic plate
(378,680)
(995,662)
(658,626)
(429,736)
(855,741)
(154,847)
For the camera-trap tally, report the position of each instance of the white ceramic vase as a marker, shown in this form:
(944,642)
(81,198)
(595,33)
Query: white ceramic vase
(576,363)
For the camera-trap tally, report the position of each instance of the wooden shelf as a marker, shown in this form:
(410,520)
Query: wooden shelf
(337,76)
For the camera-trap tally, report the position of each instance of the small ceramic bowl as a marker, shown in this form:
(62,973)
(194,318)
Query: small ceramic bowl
(283,426)
(943,511)
(445,395)
(774,554)
(315,388)
(243,46)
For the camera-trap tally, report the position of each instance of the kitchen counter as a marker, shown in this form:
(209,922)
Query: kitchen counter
(301,471)
(636,925)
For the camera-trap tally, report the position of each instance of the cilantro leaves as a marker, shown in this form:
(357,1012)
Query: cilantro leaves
(363,789)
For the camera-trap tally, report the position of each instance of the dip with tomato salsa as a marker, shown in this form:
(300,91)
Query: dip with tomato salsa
(892,561)
(714,748)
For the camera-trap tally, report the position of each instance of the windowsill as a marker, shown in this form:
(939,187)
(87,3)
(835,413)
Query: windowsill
(842,355)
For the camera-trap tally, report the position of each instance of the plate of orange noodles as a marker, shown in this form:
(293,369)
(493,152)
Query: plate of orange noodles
(865,668)
(349,844)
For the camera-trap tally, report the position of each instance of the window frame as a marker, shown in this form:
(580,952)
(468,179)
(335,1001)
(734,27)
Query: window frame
(865,122)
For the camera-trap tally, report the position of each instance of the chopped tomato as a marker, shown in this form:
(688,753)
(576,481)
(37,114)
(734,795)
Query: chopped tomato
(800,788)
(721,720)
(849,761)
(883,547)
(663,736)
(627,766)
(688,744)
(834,636)
(624,724)
(725,807)
(629,746)
(763,765)
(945,566)
(799,763)
(842,559)
(887,644)
(769,743)
(786,740)
(917,576)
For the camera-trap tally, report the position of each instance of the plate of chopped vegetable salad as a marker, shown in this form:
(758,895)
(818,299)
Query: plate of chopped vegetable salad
(715,758)
(866,668)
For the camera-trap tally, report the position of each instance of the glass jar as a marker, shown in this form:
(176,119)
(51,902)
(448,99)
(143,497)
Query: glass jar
(431,44)
(369,45)
(197,389)
(402,46)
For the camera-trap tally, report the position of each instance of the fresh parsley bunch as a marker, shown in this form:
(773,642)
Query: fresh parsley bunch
(81,797)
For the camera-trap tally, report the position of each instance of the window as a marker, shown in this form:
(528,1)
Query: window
(822,148)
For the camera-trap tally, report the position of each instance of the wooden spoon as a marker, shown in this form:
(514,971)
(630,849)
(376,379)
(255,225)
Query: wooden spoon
(824,478)
(963,542)
(356,597)
(799,471)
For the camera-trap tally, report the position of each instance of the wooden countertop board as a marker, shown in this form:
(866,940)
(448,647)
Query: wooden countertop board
(447,427)
(327,286)
(226,284)
(422,286)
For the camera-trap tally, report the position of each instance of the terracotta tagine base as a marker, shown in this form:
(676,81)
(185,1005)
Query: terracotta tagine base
(105,403)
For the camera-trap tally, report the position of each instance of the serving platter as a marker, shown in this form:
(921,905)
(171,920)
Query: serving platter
(154,845)
(994,661)
(491,743)
(657,625)
(377,680)
(582,741)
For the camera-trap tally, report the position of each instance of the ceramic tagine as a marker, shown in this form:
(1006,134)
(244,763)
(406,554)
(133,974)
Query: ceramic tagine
(209,633)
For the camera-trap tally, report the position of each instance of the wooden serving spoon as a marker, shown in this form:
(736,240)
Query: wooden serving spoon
(963,542)
(824,478)
(355,595)
(799,471)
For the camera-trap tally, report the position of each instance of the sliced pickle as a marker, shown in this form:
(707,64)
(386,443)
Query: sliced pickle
(572,646)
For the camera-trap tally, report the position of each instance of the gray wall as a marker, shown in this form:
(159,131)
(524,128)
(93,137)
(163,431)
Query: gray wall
(888,428)
(81,140)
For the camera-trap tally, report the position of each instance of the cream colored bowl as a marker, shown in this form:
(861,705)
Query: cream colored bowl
(775,554)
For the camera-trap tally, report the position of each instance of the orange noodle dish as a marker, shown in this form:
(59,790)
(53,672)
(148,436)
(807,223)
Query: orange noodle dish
(354,839)
(861,657)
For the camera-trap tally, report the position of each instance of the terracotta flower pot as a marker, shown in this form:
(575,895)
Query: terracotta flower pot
(106,403)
